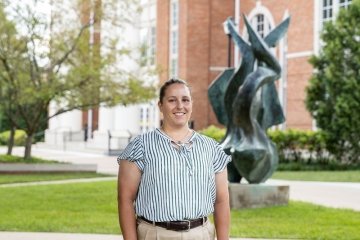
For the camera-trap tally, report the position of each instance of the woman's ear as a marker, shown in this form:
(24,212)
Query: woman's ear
(160,106)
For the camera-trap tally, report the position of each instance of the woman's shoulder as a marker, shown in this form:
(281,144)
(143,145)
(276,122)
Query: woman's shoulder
(149,135)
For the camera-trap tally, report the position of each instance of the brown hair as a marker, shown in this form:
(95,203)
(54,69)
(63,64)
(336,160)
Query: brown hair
(168,83)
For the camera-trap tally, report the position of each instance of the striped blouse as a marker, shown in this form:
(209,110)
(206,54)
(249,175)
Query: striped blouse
(178,182)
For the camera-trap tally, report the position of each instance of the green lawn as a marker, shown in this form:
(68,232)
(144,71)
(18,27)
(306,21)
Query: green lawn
(32,177)
(326,176)
(91,208)
(296,221)
(16,159)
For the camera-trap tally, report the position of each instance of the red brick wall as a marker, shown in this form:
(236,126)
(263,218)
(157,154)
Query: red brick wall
(203,45)
(299,72)
(195,65)
(220,11)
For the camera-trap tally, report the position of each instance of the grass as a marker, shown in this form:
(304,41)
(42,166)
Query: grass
(81,207)
(17,159)
(325,176)
(34,177)
(92,208)
(320,166)
(296,221)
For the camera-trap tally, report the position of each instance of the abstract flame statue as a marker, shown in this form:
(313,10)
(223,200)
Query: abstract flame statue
(245,100)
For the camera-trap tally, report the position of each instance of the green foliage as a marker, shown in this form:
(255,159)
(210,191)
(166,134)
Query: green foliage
(333,94)
(298,149)
(300,146)
(214,132)
(298,220)
(19,138)
(37,67)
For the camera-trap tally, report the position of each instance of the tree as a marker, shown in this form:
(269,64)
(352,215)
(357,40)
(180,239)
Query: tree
(333,94)
(51,58)
(9,43)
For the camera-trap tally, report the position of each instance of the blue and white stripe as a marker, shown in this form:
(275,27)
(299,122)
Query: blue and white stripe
(176,183)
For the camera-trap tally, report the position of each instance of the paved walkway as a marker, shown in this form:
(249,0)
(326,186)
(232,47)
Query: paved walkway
(331,194)
(106,164)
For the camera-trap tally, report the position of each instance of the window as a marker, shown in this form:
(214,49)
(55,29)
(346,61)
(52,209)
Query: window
(148,34)
(174,43)
(174,13)
(152,45)
(144,118)
(330,8)
(261,24)
(344,3)
(173,67)
(174,38)
(327,10)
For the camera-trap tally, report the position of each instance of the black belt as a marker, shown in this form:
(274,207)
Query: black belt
(184,225)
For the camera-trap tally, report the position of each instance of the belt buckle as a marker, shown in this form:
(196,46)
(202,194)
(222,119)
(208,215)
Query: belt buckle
(189,225)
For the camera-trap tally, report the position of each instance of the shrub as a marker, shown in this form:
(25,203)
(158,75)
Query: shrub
(19,139)
(214,132)
(300,146)
(297,149)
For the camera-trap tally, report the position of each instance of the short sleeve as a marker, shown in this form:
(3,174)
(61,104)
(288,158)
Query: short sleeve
(134,152)
(221,159)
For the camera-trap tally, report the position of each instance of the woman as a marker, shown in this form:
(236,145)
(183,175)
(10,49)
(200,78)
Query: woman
(175,176)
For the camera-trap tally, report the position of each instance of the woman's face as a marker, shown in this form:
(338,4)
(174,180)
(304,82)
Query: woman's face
(176,105)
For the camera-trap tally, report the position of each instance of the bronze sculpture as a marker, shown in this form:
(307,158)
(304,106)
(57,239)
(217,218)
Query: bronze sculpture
(245,100)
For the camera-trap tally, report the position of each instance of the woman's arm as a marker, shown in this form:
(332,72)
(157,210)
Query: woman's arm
(128,184)
(222,206)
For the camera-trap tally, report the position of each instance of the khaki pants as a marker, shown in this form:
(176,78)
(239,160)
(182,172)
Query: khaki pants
(146,231)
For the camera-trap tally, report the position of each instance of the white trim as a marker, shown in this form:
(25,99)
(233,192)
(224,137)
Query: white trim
(282,89)
(317,27)
(299,54)
(217,68)
(237,22)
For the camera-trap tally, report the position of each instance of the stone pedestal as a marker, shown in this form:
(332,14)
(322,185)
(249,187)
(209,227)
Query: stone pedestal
(257,195)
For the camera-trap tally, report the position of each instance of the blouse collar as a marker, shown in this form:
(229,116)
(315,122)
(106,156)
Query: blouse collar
(191,139)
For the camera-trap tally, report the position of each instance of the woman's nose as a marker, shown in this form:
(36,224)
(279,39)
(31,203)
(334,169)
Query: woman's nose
(179,104)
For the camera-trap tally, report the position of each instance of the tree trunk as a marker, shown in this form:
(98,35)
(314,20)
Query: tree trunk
(11,141)
(28,144)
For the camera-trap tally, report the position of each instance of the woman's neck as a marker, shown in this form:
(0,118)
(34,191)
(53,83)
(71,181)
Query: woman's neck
(181,134)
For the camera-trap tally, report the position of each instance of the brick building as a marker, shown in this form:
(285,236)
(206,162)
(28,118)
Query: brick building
(192,45)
